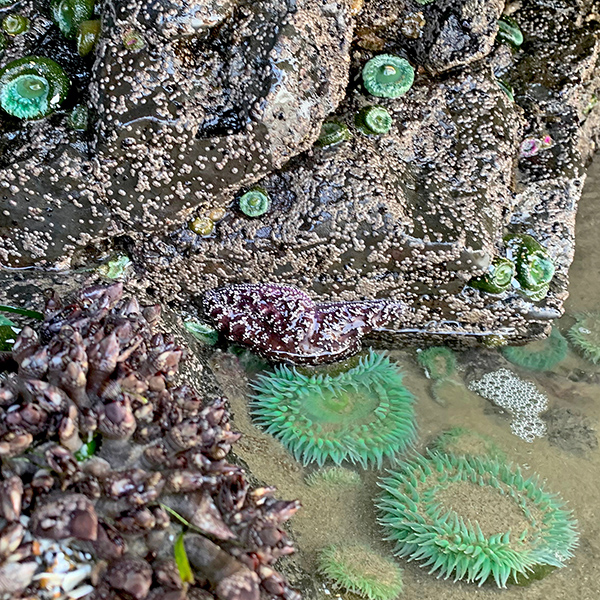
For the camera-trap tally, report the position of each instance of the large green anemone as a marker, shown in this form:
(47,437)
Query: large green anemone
(32,87)
(388,76)
(361,570)
(539,355)
(474,518)
(363,415)
(585,335)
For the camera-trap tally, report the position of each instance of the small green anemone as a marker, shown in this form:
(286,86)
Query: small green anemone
(79,117)
(539,355)
(388,76)
(534,269)
(70,14)
(373,120)
(203,332)
(361,570)
(508,31)
(255,203)
(32,87)
(333,133)
(474,518)
(460,441)
(334,477)
(15,24)
(498,277)
(585,335)
(438,362)
(88,34)
(363,415)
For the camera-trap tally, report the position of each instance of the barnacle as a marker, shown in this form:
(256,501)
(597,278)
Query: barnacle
(388,76)
(510,526)
(32,87)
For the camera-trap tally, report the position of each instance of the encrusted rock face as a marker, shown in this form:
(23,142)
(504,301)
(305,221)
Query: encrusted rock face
(439,35)
(196,106)
(191,105)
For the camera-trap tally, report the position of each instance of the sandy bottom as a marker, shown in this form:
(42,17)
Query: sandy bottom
(345,514)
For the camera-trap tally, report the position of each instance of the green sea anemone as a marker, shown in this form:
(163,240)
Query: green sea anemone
(88,34)
(388,76)
(69,14)
(540,355)
(361,570)
(32,87)
(585,335)
(79,117)
(14,24)
(255,203)
(203,332)
(438,362)
(133,40)
(363,415)
(374,120)
(333,133)
(334,476)
(203,226)
(118,267)
(534,269)
(498,277)
(460,441)
(508,31)
(474,518)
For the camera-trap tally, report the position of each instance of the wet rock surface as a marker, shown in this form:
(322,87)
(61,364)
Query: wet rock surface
(409,216)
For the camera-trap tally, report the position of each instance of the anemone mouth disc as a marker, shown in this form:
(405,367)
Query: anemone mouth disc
(474,518)
(362,415)
(388,76)
(32,87)
(361,570)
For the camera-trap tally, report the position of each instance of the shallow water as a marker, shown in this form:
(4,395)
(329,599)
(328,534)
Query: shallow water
(570,464)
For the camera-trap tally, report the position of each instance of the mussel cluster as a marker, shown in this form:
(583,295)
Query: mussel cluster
(108,463)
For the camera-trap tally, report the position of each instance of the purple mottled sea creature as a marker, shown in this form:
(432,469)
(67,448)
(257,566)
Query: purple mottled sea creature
(282,323)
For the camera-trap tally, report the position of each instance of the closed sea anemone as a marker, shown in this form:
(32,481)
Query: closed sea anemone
(255,203)
(534,269)
(497,278)
(70,14)
(585,335)
(361,570)
(388,76)
(474,518)
(539,355)
(32,87)
(363,415)
(333,133)
(374,120)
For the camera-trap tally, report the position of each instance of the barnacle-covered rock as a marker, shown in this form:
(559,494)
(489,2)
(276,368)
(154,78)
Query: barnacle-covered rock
(193,103)
(124,455)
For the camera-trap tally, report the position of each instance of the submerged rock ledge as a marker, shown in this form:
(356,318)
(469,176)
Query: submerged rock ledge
(202,113)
